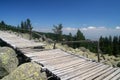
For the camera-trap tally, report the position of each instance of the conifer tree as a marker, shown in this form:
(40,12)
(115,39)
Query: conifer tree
(58,31)
(115,46)
(79,35)
(70,37)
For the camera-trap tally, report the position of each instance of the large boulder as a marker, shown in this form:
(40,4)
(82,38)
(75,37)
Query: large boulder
(27,71)
(8,61)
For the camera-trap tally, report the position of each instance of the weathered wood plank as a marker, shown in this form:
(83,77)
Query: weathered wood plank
(98,74)
(78,72)
(71,68)
(117,77)
(65,66)
(89,73)
(106,74)
(57,61)
(112,75)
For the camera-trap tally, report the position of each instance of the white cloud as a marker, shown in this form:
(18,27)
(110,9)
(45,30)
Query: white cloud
(91,27)
(118,27)
(69,29)
(84,29)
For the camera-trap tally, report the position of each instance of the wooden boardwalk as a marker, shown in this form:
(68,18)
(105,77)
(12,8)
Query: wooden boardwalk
(17,42)
(64,65)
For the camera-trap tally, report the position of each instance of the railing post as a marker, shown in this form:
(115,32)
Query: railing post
(54,45)
(30,33)
(98,50)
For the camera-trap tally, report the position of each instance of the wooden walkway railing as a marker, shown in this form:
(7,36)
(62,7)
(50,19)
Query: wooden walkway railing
(63,65)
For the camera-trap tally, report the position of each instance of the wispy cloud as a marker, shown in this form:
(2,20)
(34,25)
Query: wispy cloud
(117,27)
(69,29)
(92,28)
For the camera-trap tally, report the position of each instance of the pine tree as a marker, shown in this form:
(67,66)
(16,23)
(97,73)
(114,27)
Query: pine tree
(110,46)
(22,26)
(79,35)
(58,31)
(101,43)
(29,27)
(28,24)
(119,45)
(115,46)
(70,37)
(3,23)
(25,26)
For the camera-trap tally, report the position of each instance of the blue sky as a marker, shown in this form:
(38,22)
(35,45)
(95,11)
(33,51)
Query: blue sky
(93,17)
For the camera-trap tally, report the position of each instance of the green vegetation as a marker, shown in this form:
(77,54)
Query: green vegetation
(109,45)
(58,32)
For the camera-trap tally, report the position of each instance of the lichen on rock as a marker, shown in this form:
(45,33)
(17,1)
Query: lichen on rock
(27,71)
(8,60)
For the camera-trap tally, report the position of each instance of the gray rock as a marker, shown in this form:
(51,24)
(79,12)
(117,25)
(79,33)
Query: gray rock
(83,49)
(27,71)
(8,61)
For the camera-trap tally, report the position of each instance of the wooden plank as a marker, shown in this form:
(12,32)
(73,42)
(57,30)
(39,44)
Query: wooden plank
(78,72)
(112,75)
(57,61)
(89,73)
(45,54)
(44,58)
(117,77)
(72,68)
(64,66)
(48,52)
(98,74)
(106,74)
(51,55)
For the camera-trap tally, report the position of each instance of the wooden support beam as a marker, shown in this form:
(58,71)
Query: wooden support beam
(54,46)
(98,51)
